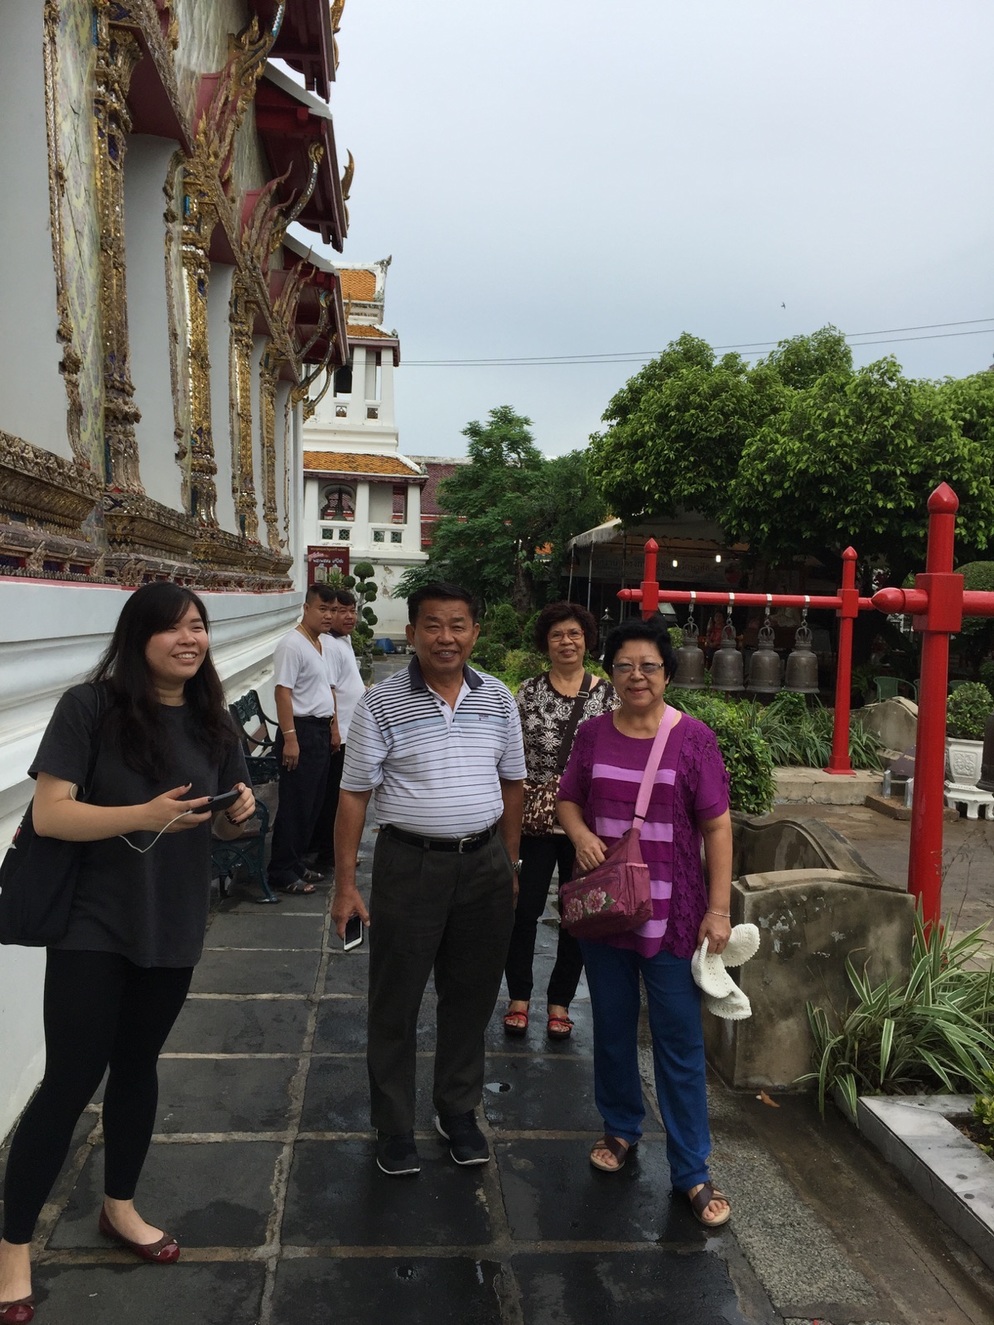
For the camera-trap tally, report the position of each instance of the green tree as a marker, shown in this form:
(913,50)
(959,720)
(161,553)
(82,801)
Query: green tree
(509,515)
(801,454)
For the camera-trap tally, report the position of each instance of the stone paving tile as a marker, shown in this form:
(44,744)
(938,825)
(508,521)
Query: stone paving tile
(453,1291)
(341,1026)
(239,1025)
(540,1093)
(205,1294)
(551,1192)
(272,928)
(661,1287)
(336,1098)
(348,972)
(224,1094)
(211,1194)
(259,972)
(336,1196)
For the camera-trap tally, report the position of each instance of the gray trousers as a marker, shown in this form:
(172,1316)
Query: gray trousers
(452,914)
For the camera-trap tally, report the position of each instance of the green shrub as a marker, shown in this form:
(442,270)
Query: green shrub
(934,1033)
(983,1111)
(967,711)
(743,748)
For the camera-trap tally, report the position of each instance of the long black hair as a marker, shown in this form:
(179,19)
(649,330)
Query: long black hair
(133,719)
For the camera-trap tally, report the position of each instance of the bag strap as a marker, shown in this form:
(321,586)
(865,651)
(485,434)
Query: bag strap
(586,685)
(95,738)
(666,724)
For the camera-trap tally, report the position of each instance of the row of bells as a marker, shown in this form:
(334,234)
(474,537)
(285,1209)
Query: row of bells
(767,674)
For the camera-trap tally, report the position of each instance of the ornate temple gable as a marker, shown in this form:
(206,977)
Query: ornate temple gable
(157,106)
(189,72)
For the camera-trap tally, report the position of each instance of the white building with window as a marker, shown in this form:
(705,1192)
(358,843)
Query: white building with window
(362,498)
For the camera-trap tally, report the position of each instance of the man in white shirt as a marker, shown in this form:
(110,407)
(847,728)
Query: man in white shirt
(308,733)
(348,687)
(439,747)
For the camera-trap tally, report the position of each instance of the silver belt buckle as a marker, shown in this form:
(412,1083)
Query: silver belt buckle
(461,845)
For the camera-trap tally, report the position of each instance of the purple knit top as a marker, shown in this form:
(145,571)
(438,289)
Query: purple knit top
(602,777)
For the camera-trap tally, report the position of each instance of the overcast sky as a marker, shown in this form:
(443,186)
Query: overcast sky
(559,177)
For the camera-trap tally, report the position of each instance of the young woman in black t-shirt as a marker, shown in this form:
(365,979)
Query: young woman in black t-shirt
(116,982)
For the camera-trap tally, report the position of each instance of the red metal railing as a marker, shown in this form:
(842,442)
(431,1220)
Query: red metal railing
(937,605)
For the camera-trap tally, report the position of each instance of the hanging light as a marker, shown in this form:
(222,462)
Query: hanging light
(690,659)
(802,666)
(765,665)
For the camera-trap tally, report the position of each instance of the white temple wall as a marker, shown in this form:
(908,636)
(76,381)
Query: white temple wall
(219,342)
(34,402)
(51,636)
(145,169)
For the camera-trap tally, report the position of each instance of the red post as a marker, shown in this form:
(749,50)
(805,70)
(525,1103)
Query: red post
(839,761)
(943,616)
(650,584)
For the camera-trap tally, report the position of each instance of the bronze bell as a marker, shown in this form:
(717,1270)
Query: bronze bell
(690,660)
(765,665)
(727,667)
(802,665)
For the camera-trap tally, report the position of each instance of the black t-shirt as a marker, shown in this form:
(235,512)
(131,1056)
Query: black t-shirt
(150,908)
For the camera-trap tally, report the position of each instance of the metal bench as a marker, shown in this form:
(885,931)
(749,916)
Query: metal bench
(258,744)
(249,849)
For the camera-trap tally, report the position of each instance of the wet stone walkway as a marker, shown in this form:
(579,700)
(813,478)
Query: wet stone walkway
(262,1166)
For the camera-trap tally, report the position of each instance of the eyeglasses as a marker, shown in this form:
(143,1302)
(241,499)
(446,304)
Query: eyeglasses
(558,636)
(646,669)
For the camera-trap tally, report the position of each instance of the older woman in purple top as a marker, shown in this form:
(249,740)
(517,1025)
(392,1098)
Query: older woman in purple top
(688,805)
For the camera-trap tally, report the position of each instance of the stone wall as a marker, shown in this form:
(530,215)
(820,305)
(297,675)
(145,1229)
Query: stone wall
(815,902)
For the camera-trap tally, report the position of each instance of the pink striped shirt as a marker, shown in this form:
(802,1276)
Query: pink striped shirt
(691,784)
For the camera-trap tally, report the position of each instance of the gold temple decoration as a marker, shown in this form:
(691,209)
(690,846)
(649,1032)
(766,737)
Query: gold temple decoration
(240,398)
(269,370)
(118,53)
(337,8)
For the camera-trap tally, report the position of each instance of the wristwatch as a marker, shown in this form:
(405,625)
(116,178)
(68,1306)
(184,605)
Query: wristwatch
(516,866)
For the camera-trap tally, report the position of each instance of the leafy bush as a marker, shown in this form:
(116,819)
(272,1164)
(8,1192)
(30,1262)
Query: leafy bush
(934,1033)
(983,1111)
(745,751)
(801,736)
(967,711)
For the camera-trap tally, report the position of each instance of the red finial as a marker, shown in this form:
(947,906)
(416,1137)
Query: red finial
(849,554)
(652,546)
(943,501)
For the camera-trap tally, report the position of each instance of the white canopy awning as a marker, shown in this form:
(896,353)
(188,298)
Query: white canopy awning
(601,533)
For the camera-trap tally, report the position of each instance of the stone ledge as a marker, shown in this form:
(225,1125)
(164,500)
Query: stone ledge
(815,786)
(948,1171)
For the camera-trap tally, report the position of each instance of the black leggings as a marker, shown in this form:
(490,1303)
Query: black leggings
(100,1011)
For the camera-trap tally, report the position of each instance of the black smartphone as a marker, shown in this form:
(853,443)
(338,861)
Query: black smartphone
(221,802)
(353,933)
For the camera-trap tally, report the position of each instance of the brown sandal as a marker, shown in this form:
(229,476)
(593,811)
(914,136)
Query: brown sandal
(619,1149)
(700,1201)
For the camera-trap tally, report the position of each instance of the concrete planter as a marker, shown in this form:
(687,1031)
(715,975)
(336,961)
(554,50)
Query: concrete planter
(945,1168)
(963,761)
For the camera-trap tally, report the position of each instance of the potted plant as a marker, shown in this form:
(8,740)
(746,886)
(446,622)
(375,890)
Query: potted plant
(967,711)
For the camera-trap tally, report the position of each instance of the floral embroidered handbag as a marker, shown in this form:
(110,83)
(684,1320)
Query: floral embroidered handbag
(616,895)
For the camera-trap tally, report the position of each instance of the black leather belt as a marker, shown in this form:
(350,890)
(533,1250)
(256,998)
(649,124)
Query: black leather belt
(311,718)
(461,844)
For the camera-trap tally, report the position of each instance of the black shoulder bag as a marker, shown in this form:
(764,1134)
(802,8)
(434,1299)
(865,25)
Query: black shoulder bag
(38,874)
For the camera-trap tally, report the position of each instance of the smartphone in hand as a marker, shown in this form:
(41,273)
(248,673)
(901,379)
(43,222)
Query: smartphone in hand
(221,802)
(353,933)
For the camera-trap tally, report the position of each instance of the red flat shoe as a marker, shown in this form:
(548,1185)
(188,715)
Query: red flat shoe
(163,1252)
(17,1313)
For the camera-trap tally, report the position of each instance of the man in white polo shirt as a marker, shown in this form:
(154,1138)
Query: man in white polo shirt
(348,688)
(305,710)
(438,746)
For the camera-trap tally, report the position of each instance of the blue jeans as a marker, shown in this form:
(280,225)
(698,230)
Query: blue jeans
(677,1050)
